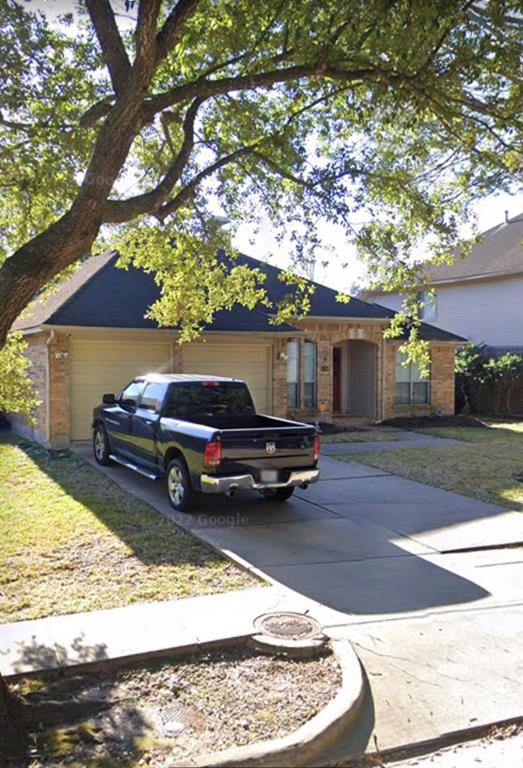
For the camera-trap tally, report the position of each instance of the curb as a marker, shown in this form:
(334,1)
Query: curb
(306,742)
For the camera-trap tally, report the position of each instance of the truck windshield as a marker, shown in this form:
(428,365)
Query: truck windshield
(208,398)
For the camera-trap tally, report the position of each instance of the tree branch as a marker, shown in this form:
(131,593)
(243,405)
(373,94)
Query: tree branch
(206,88)
(145,34)
(111,43)
(186,193)
(173,27)
(283,172)
(117,211)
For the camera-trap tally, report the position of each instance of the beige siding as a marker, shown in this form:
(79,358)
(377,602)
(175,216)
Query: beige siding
(107,366)
(250,362)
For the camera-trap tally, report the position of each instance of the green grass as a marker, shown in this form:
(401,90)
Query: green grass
(482,466)
(495,431)
(73,540)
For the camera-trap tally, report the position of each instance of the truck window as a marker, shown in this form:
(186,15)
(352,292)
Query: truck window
(153,396)
(131,393)
(208,398)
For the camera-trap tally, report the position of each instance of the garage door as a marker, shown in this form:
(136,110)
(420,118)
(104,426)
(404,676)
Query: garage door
(98,367)
(250,362)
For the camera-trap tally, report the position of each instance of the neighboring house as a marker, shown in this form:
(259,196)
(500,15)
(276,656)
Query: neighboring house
(481,296)
(91,337)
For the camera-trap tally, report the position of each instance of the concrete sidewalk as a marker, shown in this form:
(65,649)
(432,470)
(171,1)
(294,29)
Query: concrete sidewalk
(136,630)
(405,571)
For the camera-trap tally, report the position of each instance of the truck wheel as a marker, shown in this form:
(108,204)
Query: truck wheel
(179,489)
(101,447)
(278,494)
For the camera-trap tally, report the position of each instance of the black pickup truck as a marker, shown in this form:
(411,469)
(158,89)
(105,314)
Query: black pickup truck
(202,434)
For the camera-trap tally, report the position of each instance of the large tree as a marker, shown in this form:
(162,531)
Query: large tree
(302,110)
(130,124)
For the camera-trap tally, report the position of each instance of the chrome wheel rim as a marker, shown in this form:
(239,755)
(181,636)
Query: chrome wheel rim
(99,444)
(175,485)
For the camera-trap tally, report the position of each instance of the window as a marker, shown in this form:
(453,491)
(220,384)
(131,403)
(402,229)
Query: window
(202,399)
(152,397)
(411,387)
(293,373)
(298,395)
(131,393)
(428,309)
(309,374)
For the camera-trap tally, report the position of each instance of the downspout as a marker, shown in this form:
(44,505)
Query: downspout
(50,338)
(383,377)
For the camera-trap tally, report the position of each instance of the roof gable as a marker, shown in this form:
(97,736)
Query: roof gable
(101,295)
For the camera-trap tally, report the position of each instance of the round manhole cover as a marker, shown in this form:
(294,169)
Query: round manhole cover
(287,625)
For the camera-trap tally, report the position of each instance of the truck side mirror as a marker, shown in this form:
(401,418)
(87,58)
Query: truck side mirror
(108,399)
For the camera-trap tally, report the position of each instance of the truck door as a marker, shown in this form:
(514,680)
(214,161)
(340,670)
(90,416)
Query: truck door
(145,422)
(118,422)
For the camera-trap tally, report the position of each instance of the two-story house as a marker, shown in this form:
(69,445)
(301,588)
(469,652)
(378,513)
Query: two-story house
(480,296)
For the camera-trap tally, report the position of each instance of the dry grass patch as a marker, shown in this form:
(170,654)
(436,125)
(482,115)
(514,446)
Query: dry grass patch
(168,710)
(72,540)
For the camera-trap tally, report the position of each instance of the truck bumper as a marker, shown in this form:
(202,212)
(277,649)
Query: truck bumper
(212,484)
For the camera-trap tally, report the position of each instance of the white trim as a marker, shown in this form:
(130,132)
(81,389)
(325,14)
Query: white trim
(47,433)
(166,331)
(29,331)
(341,319)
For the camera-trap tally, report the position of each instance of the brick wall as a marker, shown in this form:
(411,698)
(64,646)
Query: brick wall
(441,382)
(59,377)
(326,334)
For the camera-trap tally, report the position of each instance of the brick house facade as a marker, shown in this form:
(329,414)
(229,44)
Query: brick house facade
(75,360)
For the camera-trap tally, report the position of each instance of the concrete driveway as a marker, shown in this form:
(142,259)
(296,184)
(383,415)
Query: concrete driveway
(428,584)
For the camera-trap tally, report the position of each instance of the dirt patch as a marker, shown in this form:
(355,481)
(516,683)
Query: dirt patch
(169,710)
(421,422)
(329,428)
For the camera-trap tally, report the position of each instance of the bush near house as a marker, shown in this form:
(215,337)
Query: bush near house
(486,384)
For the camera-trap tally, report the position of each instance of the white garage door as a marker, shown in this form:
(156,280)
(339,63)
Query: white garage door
(107,366)
(250,362)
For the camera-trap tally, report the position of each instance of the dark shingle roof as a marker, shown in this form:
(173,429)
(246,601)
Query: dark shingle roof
(499,252)
(99,294)
(323,300)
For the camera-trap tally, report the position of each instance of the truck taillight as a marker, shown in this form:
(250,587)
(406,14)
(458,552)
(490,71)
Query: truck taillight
(212,454)
(315,447)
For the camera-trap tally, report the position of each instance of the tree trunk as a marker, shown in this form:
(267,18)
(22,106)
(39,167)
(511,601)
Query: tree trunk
(12,725)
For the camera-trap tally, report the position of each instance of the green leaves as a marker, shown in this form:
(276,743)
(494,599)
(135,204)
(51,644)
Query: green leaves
(394,115)
(194,283)
(16,391)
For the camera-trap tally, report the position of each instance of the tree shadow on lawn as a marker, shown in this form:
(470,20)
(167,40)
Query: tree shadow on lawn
(152,538)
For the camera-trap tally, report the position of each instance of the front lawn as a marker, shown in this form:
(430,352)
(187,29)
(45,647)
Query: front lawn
(72,540)
(494,431)
(485,464)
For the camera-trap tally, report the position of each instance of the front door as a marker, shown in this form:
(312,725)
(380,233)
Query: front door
(336,379)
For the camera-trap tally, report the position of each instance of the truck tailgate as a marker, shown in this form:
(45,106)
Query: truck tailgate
(245,450)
